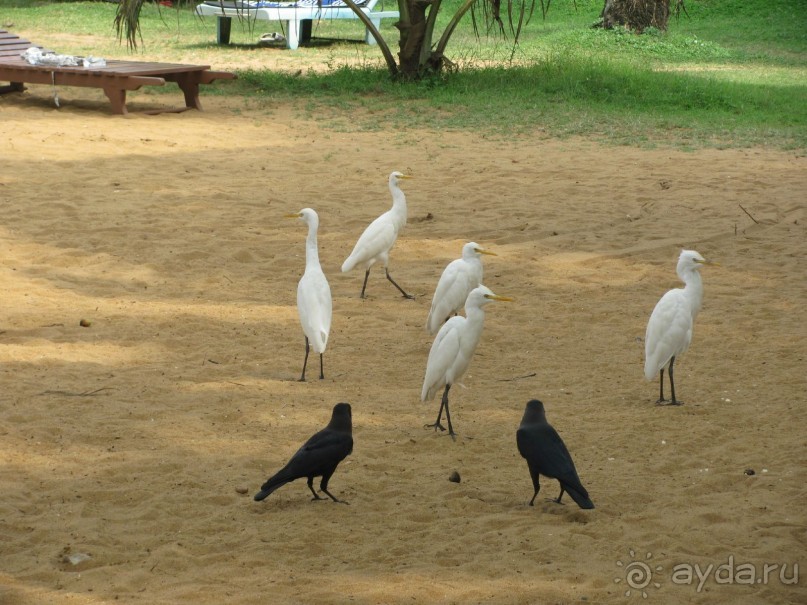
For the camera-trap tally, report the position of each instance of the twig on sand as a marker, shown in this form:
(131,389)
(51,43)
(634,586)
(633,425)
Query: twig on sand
(530,375)
(748,213)
(82,394)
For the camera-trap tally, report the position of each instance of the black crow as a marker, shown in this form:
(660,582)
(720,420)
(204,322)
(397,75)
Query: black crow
(318,457)
(546,454)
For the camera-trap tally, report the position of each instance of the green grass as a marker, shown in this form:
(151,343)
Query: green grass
(731,74)
(560,97)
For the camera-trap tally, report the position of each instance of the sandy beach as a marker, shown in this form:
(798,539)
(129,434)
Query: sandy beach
(139,439)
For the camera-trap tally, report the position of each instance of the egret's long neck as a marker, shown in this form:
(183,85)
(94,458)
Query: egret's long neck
(693,290)
(476,264)
(398,210)
(475,318)
(311,252)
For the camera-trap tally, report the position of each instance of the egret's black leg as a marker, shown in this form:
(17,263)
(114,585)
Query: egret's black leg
(661,399)
(443,402)
(364,285)
(437,424)
(562,491)
(401,290)
(672,384)
(448,416)
(321,368)
(311,487)
(305,361)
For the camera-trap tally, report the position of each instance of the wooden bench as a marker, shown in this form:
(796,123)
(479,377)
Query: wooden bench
(297,19)
(115,79)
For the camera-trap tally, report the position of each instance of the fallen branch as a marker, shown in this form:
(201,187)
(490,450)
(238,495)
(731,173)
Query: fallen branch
(84,394)
(748,213)
(530,375)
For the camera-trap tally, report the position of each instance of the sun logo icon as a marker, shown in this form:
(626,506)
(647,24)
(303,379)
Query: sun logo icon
(638,574)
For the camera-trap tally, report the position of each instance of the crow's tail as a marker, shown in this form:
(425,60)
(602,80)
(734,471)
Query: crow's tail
(578,494)
(270,486)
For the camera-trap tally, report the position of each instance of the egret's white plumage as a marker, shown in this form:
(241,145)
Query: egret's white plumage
(458,279)
(314,302)
(669,331)
(453,349)
(375,243)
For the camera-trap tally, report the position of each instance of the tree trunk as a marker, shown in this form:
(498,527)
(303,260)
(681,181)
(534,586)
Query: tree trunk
(417,55)
(416,38)
(636,15)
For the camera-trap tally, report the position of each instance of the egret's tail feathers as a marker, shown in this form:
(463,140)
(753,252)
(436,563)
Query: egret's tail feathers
(349,263)
(323,342)
(652,367)
(427,393)
(432,324)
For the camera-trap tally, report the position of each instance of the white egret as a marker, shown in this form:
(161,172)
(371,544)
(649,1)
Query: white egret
(314,302)
(669,331)
(378,238)
(458,279)
(453,348)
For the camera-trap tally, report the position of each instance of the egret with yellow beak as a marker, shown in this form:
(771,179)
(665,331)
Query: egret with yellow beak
(314,303)
(379,237)
(453,349)
(669,331)
(458,279)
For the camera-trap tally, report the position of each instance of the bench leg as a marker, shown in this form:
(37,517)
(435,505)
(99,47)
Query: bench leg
(292,34)
(189,84)
(12,87)
(306,27)
(117,96)
(223,25)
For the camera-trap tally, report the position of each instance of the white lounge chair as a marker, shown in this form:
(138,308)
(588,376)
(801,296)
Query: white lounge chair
(297,16)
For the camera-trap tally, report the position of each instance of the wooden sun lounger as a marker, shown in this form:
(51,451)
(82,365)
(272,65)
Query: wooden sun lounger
(114,79)
(297,20)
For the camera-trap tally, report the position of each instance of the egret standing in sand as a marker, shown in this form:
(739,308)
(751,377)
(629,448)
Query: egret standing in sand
(314,302)
(669,331)
(453,349)
(377,240)
(458,279)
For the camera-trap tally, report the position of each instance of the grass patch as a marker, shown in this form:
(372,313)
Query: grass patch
(560,96)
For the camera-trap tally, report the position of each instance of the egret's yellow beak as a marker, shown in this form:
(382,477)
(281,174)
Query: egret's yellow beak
(483,251)
(405,176)
(499,298)
(707,262)
(295,215)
